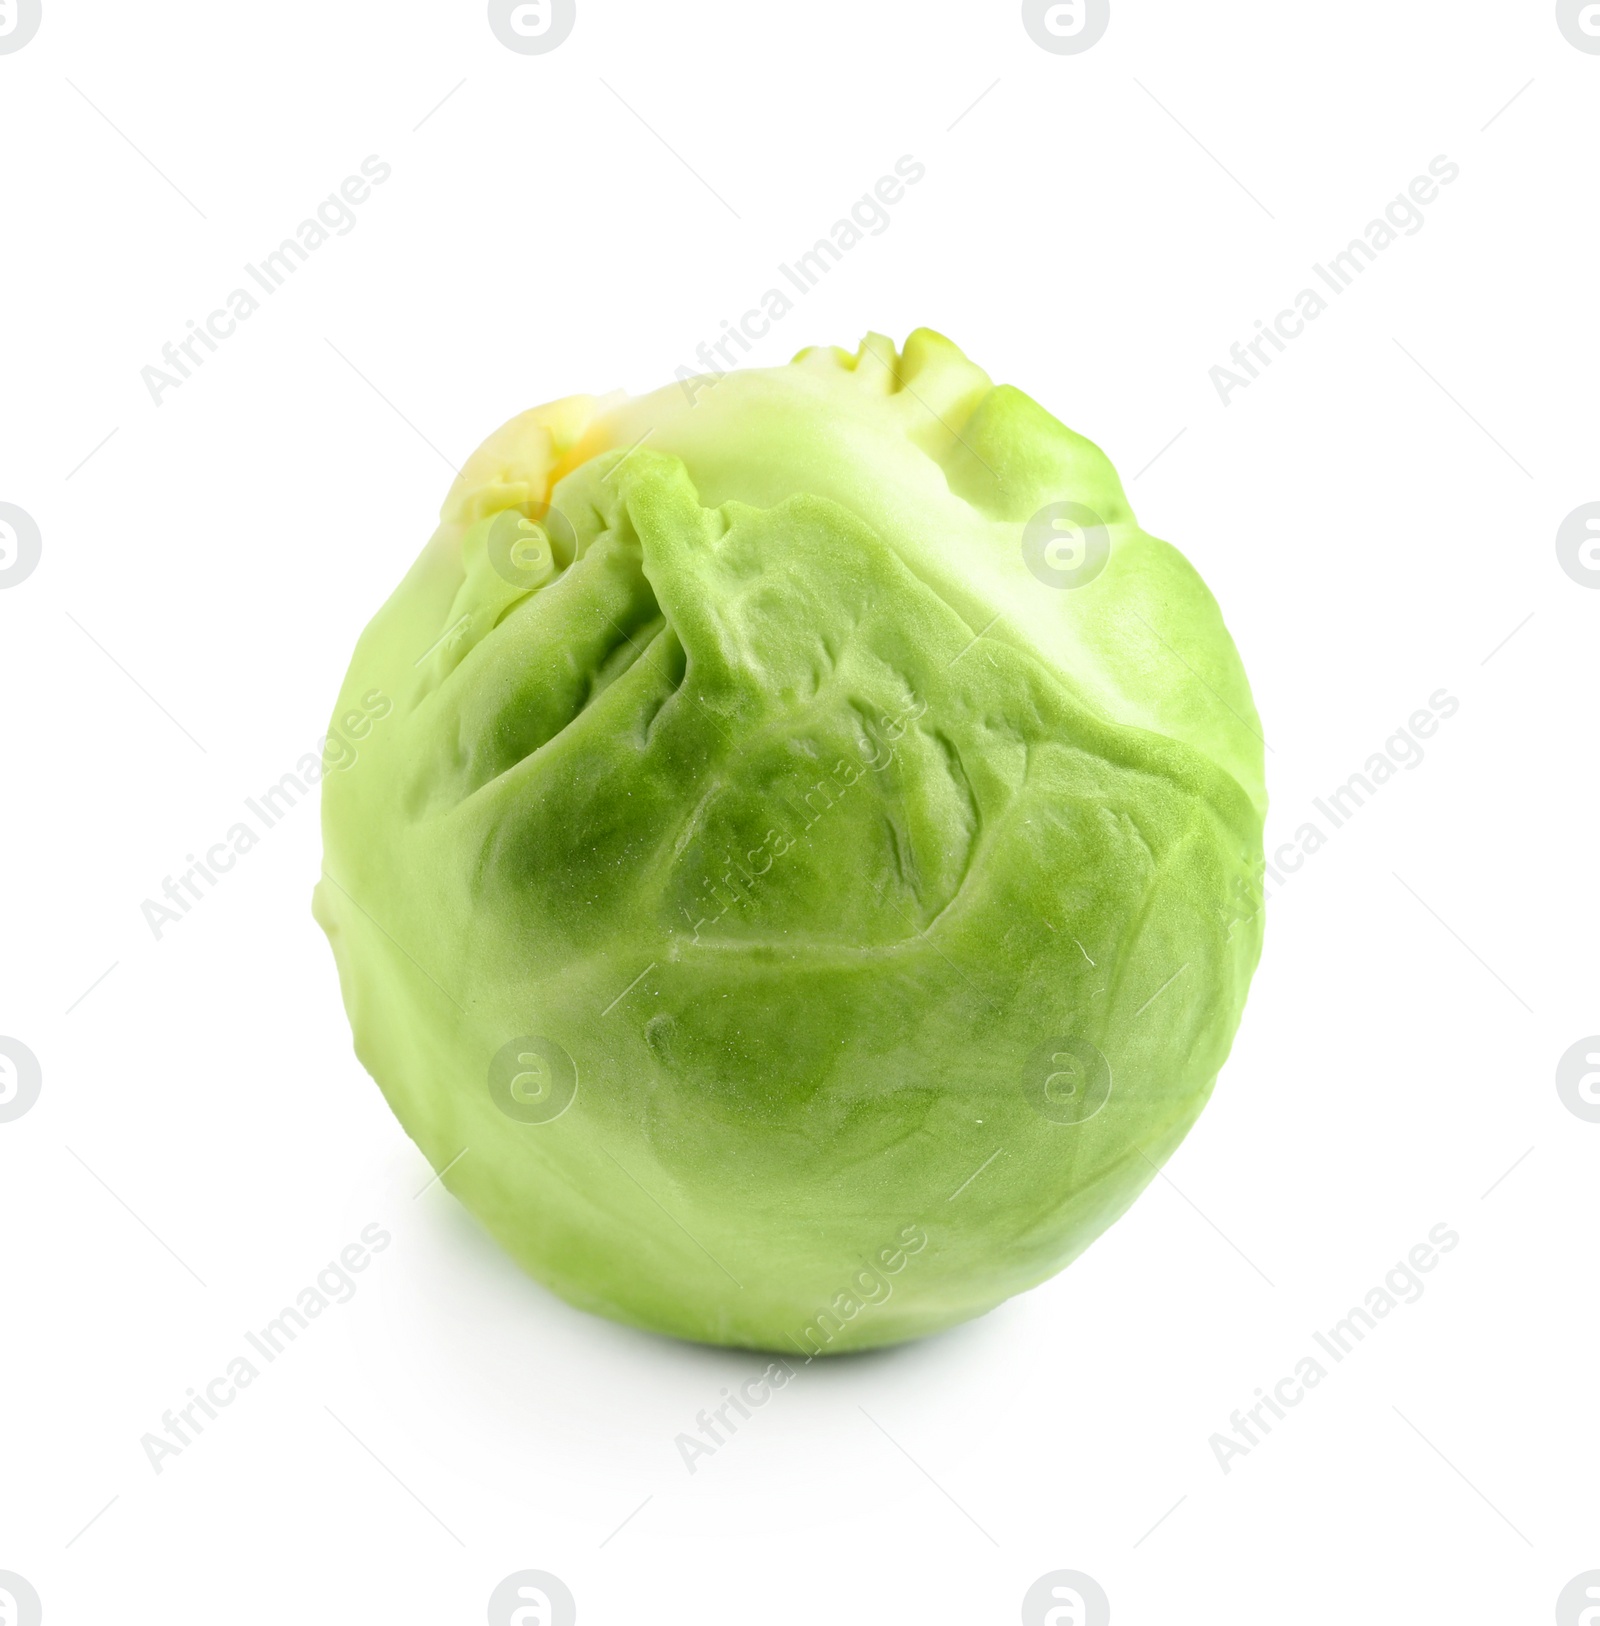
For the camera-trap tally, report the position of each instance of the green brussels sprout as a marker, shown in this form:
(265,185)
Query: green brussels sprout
(799,873)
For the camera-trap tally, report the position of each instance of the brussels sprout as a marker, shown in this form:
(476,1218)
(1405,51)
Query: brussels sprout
(808,882)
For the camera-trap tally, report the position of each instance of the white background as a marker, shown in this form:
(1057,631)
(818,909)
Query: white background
(205,1141)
